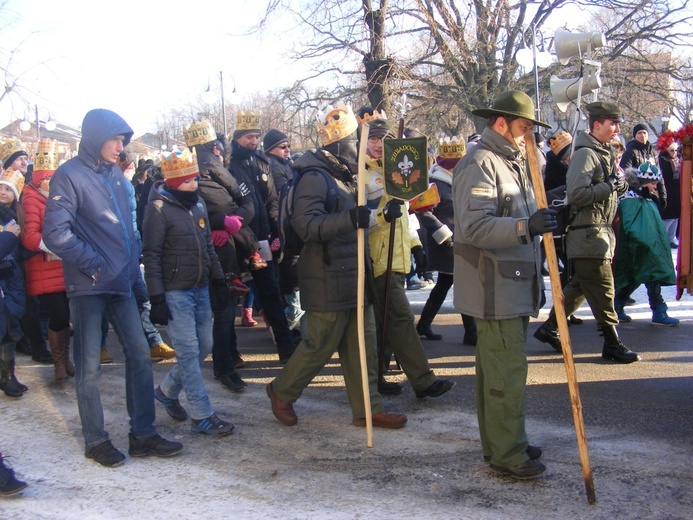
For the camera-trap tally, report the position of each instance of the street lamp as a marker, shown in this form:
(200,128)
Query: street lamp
(49,124)
(535,58)
(221,92)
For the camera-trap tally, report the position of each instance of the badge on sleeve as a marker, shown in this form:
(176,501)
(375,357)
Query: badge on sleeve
(201,223)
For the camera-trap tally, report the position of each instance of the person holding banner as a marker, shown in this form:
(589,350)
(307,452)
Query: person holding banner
(498,263)
(402,339)
(328,274)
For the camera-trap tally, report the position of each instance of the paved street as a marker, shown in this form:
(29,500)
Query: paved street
(637,420)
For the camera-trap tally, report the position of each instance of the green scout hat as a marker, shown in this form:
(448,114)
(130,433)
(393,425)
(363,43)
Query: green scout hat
(381,128)
(512,103)
(601,109)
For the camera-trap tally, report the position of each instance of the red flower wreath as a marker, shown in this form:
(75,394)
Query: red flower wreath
(664,141)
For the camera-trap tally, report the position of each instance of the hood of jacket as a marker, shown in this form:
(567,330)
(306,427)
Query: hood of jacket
(98,126)
(438,173)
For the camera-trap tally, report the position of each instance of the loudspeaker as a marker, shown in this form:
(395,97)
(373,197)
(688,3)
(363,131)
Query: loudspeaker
(569,44)
(565,91)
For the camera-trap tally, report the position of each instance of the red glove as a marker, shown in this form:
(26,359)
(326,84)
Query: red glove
(232,223)
(220,238)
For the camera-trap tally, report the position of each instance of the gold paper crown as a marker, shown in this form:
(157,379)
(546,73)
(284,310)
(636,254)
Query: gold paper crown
(14,179)
(559,140)
(367,118)
(335,123)
(46,157)
(452,147)
(248,120)
(179,164)
(199,133)
(9,147)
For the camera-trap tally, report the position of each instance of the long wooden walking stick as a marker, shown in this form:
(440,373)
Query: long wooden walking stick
(559,309)
(361,287)
(684,279)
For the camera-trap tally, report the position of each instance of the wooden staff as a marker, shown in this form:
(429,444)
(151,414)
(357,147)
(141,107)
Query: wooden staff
(559,309)
(361,287)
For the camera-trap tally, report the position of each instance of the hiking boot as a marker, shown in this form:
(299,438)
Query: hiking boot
(105,356)
(284,412)
(232,381)
(161,351)
(105,454)
(173,407)
(154,445)
(212,425)
(574,320)
(622,316)
(425,331)
(660,318)
(614,349)
(548,333)
(390,421)
(533,452)
(438,388)
(525,471)
(389,388)
(9,484)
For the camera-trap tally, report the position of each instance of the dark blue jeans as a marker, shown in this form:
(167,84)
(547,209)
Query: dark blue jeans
(87,314)
(268,293)
(224,334)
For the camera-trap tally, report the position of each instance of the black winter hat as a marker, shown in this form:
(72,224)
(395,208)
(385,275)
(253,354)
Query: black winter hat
(273,138)
(638,127)
(12,158)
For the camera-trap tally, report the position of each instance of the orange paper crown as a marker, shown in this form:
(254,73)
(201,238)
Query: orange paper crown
(199,133)
(452,148)
(335,123)
(46,157)
(179,164)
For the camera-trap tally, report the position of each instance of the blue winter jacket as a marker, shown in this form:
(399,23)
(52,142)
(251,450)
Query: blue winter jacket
(88,219)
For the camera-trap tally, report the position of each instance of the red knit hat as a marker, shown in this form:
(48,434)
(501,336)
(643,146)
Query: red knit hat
(175,182)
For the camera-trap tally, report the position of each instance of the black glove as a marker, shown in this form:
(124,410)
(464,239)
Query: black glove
(360,216)
(392,210)
(160,313)
(218,295)
(617,182)
(419,259)
(543,221)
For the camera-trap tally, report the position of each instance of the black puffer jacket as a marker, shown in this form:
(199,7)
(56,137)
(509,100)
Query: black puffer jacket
(177,250)
(223,194)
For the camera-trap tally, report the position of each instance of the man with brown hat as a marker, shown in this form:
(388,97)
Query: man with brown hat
(497,261)
(593,188)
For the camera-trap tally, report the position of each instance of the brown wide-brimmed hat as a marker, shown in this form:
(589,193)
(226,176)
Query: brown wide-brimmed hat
(512,103)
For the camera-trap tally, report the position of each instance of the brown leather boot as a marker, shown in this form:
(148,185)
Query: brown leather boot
(57,347)
(65,339)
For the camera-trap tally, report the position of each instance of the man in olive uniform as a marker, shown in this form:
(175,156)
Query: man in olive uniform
(593,187)
(498,262)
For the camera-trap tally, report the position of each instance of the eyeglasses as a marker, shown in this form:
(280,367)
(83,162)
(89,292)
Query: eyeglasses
(374,139)
(284,146)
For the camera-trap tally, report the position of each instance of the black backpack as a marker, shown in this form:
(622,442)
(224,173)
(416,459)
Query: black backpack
(289,239)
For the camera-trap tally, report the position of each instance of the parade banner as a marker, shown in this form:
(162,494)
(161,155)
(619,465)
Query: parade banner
(405,167)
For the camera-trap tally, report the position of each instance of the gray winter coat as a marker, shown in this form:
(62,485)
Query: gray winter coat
(327,265)
(496,260)
(593,203)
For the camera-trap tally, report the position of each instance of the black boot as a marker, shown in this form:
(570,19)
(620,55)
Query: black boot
(9,484)
(470,335)
(8,382)
(548,333)
(614,349)
(423,327)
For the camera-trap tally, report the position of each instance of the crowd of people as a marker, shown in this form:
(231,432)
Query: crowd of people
(180,242)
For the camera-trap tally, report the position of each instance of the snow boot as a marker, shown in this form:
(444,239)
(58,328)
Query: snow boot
(660,318)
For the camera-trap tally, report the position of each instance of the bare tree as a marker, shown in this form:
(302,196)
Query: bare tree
(452,57)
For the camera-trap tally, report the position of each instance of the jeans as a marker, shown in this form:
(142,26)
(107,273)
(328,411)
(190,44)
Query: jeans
(190,331)
(224,332)
(294,314)
(87,313)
